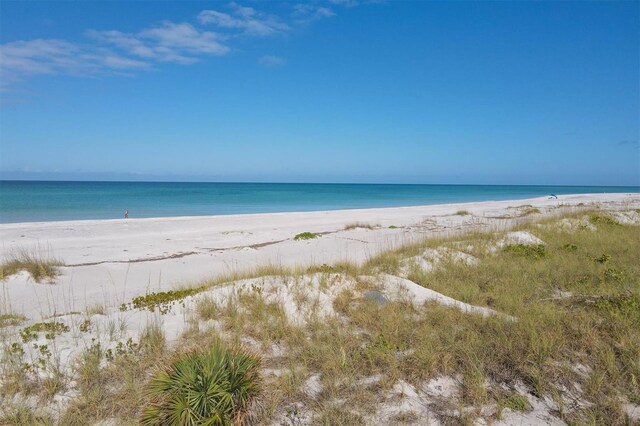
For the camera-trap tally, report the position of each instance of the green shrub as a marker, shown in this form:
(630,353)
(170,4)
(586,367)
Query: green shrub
(306,236)
(213,386)
(602,259)
(570,247)
(537,251)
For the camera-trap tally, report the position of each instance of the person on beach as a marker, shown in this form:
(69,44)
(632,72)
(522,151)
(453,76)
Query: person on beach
(126,214)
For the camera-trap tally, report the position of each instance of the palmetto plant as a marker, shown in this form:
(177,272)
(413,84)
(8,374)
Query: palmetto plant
(213,386)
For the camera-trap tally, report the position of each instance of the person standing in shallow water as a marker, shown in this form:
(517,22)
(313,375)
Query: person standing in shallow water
(126,214)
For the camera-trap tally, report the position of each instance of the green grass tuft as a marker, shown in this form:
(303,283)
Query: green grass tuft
(537,251)
(570,247)
(517,402)
(306,236)
(604,258)
(463,213)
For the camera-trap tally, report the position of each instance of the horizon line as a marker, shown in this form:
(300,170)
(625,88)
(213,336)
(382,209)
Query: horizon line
(314,183)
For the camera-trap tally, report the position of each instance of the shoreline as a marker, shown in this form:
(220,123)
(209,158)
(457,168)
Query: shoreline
(112,261)
(42,202)
(566,197)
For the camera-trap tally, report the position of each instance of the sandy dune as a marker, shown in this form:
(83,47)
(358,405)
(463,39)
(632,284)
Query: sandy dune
(111,261)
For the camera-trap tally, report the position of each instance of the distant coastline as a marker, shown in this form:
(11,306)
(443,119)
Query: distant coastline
(41,201)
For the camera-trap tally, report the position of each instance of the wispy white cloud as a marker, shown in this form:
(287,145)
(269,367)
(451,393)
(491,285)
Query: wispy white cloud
(50,56)
(272,60)
(117,62)
(308,12)
(114,51)
(245,19)
(169,42)
(353,3)
(38,56)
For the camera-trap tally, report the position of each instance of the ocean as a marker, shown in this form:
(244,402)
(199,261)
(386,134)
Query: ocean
(30,201)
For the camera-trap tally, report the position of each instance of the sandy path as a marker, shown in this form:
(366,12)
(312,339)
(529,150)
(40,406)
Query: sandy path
(111,261)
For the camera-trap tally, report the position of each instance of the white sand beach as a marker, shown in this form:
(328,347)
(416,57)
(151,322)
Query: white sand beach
(109,262)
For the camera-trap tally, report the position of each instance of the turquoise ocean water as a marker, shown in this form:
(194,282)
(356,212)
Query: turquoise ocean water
(28,201)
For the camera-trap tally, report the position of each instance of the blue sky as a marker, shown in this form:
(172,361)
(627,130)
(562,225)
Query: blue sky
(342,91)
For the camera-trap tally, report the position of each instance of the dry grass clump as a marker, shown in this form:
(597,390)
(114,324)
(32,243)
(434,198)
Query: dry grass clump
(110,383)
(345,268)
(39,267)
(529,210)
(23,415)
(362,225)
(98,309)
(11,320)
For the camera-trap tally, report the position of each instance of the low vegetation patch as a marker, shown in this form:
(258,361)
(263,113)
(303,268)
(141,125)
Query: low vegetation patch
(463,213)
(599,219)
(163,300)
(213,386)
(603,258)
(625,305)
(534,251)
(306,236)
(517,402)
(570,247)
(11,320)
(50,330)
(40,268)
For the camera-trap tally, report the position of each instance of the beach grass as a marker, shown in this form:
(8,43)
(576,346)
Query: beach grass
(10,320)
(39,266)
(573,340)
(361,225)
